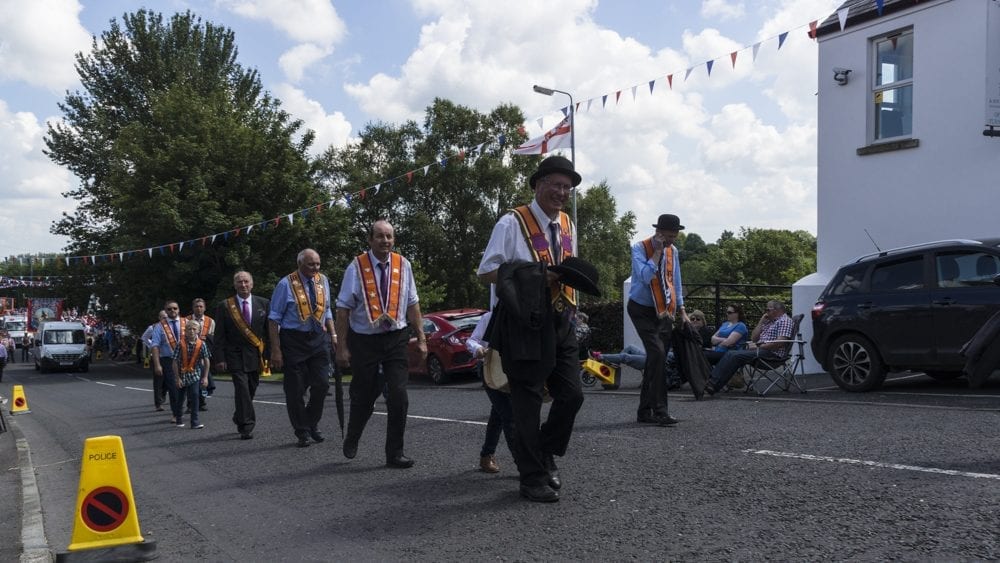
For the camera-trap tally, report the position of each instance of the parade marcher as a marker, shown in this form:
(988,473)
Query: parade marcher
(241,344)
(540,233)
(377,302)
(3,360)
(191,369)
(25,346)
(655,296)
(166,336)
(207,335)
(159,387)
(301,333)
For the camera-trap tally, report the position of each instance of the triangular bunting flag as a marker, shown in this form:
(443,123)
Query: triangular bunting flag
(633,92)
(428,167)
(249,228)
(651,82)
(540,122)
(842,16)
(879,6)
(812,29)
(781,39)
(708,65)
(618,96)
(732,57)
(687,73)
(409,176)
(604,101)
(291,219)
(182,246)
(670,81)
(756,47)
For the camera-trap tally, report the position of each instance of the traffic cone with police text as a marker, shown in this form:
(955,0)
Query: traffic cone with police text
(106,525)
(20,403)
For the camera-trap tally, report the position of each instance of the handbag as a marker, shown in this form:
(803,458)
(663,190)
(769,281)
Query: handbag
(493,374)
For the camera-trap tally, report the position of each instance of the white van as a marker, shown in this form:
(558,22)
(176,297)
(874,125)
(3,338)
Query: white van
(61,346)
(16,326)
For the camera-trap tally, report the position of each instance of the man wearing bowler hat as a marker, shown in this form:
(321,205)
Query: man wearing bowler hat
(541,232)
(654,299)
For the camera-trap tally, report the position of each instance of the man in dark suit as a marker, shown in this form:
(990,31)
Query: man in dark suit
(241,343)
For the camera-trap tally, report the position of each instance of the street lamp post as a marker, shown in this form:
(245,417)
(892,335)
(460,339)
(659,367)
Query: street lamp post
(572,136)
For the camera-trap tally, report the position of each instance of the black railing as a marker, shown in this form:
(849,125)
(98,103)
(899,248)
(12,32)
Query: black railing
(712,299)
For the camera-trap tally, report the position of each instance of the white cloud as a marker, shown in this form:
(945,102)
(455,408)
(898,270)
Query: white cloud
(722,9)
(32,187)
(41,59)
(331,129)
(313,24)
(719,164)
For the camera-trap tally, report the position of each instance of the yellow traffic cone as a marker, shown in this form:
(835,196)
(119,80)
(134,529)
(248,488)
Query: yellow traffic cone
(20,403)
(106,518)
(145,362)
(267,369)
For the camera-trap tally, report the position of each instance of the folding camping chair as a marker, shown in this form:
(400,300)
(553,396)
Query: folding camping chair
(779,373)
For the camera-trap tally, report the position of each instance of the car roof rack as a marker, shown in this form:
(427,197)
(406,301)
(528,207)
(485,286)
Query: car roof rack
(916,247)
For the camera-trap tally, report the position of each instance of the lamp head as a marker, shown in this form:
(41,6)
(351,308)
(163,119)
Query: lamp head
(841,75)
(543,90)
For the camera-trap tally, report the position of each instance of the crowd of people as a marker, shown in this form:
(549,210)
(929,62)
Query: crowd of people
(306,329)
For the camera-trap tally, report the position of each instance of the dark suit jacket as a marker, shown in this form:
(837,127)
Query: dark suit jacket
(521,326)
(230,344)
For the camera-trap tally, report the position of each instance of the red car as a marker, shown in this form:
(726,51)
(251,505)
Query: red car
(446,334)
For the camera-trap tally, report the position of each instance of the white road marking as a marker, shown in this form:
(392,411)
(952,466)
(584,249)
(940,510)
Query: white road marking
(140,389)
(103,383)
(434,418)
(880,464)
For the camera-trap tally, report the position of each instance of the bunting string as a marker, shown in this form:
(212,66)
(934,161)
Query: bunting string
(409,178)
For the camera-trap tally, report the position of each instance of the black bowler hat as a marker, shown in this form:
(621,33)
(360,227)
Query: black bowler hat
(579,274)
(669,222)
(552,165)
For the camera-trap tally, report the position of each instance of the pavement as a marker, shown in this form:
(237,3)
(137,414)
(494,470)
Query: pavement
(22,537)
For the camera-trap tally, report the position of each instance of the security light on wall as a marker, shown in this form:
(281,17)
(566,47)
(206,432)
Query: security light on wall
(840,75)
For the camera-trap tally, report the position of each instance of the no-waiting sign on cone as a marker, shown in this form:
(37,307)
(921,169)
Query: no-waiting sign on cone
(19,404)
(106,517)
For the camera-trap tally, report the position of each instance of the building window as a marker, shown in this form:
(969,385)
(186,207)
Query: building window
(892,88)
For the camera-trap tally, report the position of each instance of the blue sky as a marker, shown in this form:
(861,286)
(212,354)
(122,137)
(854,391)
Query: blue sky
(731,150)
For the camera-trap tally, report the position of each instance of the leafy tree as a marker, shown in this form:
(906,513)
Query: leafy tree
(762,256)
(172,139)
(604,238)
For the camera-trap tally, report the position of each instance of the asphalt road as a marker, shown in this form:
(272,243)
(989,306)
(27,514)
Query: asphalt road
(911,473)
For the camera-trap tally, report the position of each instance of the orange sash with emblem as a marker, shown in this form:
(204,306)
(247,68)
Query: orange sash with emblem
(169,333)
(188,363)
(662,285)
(538,243)
(379,311)
(302,297)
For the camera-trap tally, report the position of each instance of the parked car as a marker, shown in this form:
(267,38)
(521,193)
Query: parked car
(446,333)
(909,308)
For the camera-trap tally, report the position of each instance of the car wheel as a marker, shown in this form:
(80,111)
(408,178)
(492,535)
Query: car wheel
(944,375)
(436,370)
(855,364)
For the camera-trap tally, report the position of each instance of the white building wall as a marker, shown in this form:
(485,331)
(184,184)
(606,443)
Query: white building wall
(945,188)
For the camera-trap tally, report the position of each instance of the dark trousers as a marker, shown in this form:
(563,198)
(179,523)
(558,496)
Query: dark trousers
(170,384)
(655,335)
(533,440)
(306,365)
(160,389)
(368,352)
(733,360)
(501,421)
(245,387)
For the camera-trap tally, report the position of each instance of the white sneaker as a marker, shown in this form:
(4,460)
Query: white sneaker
(180,425)
(197,426)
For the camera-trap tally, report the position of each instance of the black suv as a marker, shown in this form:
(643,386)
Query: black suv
(909,308)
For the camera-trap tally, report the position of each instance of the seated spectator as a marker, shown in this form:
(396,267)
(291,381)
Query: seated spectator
(774,326)
(632,356)
(732,335)
(699,324)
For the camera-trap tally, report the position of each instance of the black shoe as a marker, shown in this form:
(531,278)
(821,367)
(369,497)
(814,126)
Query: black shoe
(350,448)
(549,463)
(316,435)
(710,389)
(399,461)
(246,436)
(303,442)
(203,408)
(659,420)
(539,493)
(667,420)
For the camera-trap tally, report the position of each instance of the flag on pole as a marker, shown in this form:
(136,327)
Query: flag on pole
(556,138)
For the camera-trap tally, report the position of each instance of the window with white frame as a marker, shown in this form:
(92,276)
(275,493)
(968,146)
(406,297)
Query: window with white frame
(892,86)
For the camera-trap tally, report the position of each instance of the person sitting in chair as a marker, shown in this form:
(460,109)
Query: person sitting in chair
(732,335)
(773,327)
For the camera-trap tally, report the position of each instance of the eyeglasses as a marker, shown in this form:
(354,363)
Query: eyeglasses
(730,312)
(558,186)
(173,308)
